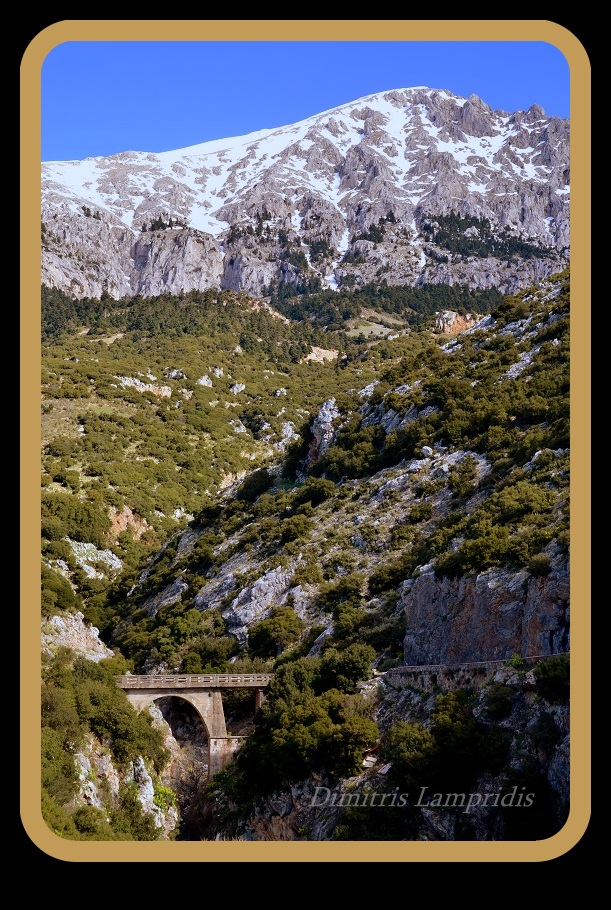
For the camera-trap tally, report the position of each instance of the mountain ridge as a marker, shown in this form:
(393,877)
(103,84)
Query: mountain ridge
(338,198)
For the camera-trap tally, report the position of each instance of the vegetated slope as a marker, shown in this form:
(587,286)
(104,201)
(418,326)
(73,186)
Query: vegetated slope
(456,456)
(151,406)
(438,476)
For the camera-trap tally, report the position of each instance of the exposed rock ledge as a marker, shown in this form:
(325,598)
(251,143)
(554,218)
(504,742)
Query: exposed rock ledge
(69,630)
(488,616)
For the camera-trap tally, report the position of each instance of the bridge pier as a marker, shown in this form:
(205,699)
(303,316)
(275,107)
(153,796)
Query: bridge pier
(221,750)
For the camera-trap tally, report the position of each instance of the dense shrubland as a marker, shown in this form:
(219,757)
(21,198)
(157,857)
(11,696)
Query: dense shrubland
(80,697)
(498,398)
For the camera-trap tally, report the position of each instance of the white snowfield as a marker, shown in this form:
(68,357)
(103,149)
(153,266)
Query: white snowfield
(405,131)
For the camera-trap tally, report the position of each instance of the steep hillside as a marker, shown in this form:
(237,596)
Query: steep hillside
(420,517)
(452,462)
(151,406)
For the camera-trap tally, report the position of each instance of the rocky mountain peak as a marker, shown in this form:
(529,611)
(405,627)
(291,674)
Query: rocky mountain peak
(335,200)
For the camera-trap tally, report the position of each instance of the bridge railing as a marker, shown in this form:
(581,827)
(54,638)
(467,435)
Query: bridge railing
(195,681)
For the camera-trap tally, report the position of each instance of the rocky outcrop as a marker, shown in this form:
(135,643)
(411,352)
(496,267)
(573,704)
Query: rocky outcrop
(320,355)
(99,778)
(253,603)
(166,819)
(448,322)
(175,260)
(69,630)
(288,435)
(322,431)
(486,617)
(126,520)
(171,594)
(95,563)
(160,391)
(83,255)
(100,781)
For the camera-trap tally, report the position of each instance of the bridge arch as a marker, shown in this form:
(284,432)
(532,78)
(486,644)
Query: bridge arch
(203,692)
(207,703)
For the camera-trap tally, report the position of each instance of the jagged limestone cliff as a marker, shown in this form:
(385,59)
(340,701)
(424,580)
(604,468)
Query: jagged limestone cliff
(411,186)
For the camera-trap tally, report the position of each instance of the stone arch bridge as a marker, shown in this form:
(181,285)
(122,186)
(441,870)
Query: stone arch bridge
(203,691)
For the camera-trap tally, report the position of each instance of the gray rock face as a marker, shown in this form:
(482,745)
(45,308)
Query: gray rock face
(253,603)
(486,617)
(337,197)
(169,595)
(88,791)
(71,631)
(323,431)
(559,768)
(175,260)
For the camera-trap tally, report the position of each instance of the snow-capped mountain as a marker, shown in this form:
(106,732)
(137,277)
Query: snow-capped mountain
(408,186)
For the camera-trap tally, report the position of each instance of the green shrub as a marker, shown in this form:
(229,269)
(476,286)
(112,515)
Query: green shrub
(57,594)
(344,669)
(129,818)
(69,479)
(314,490)
(346,591)
(270,637)
(539,564)
(59,777)
(164,797)
(400,535)
(209,654)
(57,818)
(92,824)
(270,504)
(61,447)
(308,573)
(201,557)
(461,477)
(497,700)
(420,511)
(254,485)
(58,549)
(392,574)
(410,749)
(79,519)
(346,620)
(59,713)
(295,528)
(552,677)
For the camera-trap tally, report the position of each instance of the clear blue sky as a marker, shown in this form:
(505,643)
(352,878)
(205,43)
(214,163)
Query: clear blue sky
(101,98)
